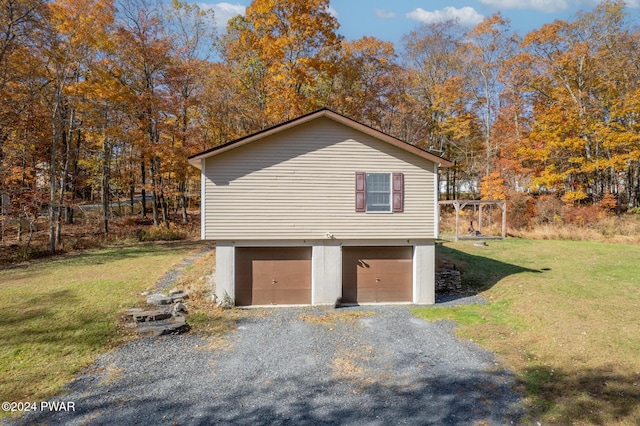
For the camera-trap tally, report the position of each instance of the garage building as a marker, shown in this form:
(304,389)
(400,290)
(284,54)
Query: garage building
(319,209)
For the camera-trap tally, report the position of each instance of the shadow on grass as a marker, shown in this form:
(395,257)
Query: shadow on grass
(39,320)
(587,396)
(478,273)
(38,333)
(36,307)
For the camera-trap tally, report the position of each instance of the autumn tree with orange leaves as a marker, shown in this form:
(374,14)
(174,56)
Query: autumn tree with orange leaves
(103,102)
(285,48)
(584,84)
(364,83)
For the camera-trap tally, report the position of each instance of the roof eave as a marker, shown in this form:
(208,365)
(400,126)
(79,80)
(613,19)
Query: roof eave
(259,135)
(196,159)
(389,139)
(195,162)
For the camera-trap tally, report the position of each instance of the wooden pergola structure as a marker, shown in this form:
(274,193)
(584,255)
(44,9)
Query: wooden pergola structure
(458,205)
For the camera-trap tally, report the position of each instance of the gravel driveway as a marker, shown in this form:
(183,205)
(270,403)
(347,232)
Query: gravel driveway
(314,365)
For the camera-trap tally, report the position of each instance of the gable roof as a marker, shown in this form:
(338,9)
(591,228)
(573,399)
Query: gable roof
(194,160)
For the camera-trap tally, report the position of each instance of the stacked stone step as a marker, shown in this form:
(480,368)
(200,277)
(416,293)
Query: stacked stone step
(166,315)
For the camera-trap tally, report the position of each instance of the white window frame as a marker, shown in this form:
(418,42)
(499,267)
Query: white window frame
(389,192)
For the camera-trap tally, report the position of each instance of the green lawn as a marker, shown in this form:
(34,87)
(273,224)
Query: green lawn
(565,316)
(57,315)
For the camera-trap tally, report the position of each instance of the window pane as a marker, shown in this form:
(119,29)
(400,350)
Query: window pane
(378,192)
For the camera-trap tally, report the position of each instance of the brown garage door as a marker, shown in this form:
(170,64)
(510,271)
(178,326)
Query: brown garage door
(377,274)
(273,276)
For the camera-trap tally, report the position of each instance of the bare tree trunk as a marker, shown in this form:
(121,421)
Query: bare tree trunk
(74,178)
(31,229)
(448,193)
(53,182)
(636,198)
(165,210)
(455,183)
(106,153)
(143,192)
(487,124)
(182,184)
(154,207)
(628,186)
(65,172)
(154,194)
(132,187)
(183,201)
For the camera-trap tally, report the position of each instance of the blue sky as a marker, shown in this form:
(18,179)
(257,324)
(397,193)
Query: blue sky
(390,20)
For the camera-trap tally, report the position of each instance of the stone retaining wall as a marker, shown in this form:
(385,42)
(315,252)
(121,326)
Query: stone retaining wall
(448,281)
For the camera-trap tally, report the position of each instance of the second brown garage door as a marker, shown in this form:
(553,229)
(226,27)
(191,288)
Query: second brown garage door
(377,274)
(273,276)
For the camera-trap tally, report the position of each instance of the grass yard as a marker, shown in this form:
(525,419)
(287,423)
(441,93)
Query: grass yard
(59,314)
(565,316)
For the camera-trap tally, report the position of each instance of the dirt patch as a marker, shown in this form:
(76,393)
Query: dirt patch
(330,318)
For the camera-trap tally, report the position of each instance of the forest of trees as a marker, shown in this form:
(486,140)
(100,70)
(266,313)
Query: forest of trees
(105,99)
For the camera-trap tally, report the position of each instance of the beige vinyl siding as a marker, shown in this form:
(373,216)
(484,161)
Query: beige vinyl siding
(300,184)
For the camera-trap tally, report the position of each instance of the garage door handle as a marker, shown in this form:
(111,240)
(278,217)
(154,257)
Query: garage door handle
(377,280)
(273,281)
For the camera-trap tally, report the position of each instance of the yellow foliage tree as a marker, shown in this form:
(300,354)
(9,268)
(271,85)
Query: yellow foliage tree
(78,30)
(365,80)
(492,187)
(582,78)
(291,44)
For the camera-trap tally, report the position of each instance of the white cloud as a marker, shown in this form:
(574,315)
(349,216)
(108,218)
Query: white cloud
(548,6)
(332,11)
(634,4)
(466,16)
(223,12)
(385,14)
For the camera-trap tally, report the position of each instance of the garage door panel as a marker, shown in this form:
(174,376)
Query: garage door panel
(261,297)
(377,274)
(365,295)
(282,274)
(349,293)
(273,275)
(292,297)
(275,253)
(384,253)
(388,266)
(394,294)
(244,297)
(380,280)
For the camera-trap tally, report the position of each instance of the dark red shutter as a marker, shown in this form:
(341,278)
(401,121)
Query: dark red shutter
(398,192)
(361,192)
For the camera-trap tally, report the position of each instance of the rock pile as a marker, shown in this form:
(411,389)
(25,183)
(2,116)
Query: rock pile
(448,281)
(164,315)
